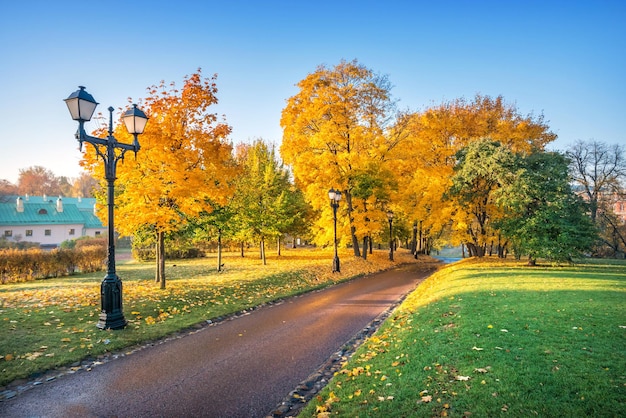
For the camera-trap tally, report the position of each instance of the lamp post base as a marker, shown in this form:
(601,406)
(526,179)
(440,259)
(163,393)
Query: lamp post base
(111,315)
(336,265)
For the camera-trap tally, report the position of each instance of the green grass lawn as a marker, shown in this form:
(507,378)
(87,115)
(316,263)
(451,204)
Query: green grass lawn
(51,323)
(487,338)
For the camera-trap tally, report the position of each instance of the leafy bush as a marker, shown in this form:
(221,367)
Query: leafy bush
(24,265)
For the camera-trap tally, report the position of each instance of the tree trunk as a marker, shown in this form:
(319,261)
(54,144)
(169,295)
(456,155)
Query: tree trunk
(160,259)
(369,240)
(242,244)
(263,251)
(157,251)
(355,240)
(365,245)
(278,246)
(219,250)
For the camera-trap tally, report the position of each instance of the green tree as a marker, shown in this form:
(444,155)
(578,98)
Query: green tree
(544,218)
(263,203)
(482,168)
(426,156)
(213,226)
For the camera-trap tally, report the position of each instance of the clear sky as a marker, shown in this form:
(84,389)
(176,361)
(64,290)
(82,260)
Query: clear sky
(563,59)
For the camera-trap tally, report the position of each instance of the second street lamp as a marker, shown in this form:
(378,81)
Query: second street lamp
(81,106)
(390,217)
(335,197)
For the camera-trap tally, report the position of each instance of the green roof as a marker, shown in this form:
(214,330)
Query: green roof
(38,211)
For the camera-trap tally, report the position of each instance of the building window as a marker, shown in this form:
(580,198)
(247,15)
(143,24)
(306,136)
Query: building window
(29,232)
(72,231)
(8,233)
(42,212)
(47,232)
(97,233)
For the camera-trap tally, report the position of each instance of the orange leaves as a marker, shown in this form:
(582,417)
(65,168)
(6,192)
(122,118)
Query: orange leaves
(184,158)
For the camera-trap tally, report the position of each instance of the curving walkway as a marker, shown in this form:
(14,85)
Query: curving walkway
(242,367)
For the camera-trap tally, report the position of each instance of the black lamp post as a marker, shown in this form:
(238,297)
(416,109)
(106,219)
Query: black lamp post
(390,217)
(81,106)
(414,244)
(335,197)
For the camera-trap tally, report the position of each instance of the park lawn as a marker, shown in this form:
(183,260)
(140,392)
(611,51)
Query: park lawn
(492,338)
(45,324)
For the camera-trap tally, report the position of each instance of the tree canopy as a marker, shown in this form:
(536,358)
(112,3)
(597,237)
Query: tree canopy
(334,135)
(184,163)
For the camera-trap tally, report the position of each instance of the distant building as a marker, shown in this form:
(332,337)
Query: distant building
(618,203)
(48,221)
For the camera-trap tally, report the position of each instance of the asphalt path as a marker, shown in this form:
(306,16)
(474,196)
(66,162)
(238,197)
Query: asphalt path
(238,368)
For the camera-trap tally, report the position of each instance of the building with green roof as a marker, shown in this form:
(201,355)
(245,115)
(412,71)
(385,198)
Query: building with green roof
(48,221)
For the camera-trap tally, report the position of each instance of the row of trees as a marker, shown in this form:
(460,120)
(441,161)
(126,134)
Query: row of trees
(39,181)
(188,178)
(467,172)
(464,172)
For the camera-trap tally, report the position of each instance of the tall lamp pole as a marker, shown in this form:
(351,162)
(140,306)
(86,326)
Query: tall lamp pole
(335,197)
(390,217)
(81,106)
(414,244)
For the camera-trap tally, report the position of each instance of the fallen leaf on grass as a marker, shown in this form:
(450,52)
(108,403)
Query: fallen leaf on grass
(426,399)
(463,378)
(477,348)
(482,370)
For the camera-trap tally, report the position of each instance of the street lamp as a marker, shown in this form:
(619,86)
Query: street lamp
(390,217)
(414,244)
(335,197)
(81,106)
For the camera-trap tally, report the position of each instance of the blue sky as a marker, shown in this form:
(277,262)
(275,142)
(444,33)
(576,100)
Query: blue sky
(565,59)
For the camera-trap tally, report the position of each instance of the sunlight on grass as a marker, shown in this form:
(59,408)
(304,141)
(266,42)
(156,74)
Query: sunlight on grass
(485,338)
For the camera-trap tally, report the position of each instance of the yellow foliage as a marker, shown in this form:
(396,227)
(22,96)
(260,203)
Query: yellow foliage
(185,159)
(427,155)
(334,135)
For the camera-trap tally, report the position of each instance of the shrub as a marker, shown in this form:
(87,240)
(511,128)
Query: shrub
(24,265)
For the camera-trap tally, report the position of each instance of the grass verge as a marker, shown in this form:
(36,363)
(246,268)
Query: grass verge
(50,323)
(490,338)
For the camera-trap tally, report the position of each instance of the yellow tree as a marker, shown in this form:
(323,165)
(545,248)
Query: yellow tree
(185,162)
(334,136)
(434,137)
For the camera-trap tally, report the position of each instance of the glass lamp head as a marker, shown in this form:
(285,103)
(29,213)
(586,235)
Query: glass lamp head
(81,105)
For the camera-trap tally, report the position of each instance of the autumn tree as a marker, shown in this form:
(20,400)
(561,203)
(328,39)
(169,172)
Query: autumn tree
(335,135)
(428,154)
(38,180)
(84,185)
(7,188)
(185,161)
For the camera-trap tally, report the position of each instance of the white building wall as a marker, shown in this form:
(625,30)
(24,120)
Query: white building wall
(58,233)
